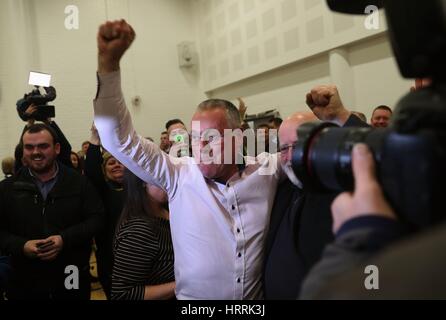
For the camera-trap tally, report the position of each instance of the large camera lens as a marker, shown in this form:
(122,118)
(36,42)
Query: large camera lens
(322,156)
(409,167)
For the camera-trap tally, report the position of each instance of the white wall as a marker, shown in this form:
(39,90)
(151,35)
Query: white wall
(283,89)
(375,76)
(242,38)
(4,74)
(17,56)
(150,69)
(271,52)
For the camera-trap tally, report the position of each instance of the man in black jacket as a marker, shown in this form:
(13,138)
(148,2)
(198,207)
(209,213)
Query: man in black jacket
(48,216)
(300,225)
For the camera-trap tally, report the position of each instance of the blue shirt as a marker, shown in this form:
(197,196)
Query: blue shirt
(45,187)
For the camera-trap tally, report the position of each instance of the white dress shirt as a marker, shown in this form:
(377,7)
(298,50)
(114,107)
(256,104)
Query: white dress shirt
(218,230)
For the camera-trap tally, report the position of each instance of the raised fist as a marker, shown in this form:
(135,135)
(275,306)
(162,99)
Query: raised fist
(114,38)
(326,104)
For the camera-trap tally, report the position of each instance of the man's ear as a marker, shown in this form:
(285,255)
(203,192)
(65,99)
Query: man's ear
(57,148)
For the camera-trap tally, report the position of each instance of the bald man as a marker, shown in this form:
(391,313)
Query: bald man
(288,139)
(301,222)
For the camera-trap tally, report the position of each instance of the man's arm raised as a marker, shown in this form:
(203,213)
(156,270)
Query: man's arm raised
(112,119)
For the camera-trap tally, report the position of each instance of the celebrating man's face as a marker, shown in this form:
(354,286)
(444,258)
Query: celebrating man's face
(40,151)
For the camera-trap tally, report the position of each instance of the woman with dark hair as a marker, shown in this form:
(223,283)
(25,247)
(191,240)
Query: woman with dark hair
(77,162)
(143,261)
(106,173)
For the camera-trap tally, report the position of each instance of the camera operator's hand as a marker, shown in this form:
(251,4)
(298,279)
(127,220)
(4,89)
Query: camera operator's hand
(28,113)
(30,110)
(114,38)
(367,199)
(326,104)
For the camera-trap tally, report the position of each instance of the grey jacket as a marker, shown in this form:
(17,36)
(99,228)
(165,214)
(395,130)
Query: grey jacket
(408,267)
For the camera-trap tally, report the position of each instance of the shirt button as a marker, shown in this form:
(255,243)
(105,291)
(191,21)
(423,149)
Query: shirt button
(238,230)
(239,255)
(233,207)
(238,280)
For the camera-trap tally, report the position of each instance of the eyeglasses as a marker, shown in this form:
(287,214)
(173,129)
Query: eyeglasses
(211,138)
(284,149)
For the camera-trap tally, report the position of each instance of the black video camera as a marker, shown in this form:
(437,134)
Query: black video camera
(44,111)
(410,154)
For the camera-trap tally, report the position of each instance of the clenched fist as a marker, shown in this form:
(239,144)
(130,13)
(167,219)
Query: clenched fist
(326,104)
(114,38)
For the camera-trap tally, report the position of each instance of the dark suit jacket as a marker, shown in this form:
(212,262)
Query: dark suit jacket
(310,214)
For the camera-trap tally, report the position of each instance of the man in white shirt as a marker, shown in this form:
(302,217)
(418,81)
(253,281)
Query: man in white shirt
(219,212)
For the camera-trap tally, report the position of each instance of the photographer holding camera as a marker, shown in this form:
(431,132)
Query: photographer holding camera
(33,107)
(364,223)
(389,222)
(41,111)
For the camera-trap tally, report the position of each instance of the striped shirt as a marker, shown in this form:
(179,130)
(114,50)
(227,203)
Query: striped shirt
(143,256)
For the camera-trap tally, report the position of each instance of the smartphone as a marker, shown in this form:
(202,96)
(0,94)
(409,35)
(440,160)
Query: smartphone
(42,247)
(39,79)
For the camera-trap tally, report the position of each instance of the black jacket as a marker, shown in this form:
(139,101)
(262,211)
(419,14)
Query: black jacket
(72,209)
(300,228)
(112,195)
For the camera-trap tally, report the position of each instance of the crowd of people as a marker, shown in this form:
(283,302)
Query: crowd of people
(169,221)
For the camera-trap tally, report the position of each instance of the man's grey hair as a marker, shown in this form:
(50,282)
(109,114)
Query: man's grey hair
(232,113)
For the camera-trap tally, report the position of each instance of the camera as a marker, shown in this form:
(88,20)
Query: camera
(410,155)
(44,111)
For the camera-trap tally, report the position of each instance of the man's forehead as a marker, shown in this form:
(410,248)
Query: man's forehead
(382,112)
(174,127)
(177,126)
(210,119)
(288,132)
(43,136)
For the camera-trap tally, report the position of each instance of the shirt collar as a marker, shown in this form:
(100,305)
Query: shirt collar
(52,178)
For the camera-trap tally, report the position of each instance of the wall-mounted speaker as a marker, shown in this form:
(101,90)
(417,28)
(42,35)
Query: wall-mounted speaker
(187,54)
